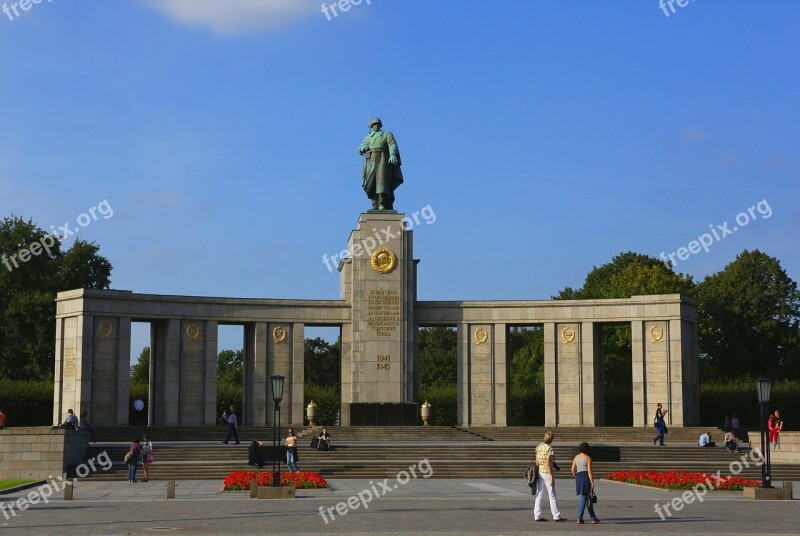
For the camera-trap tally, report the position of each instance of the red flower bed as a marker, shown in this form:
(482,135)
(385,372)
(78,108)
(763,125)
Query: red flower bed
(682,480)
(240,480)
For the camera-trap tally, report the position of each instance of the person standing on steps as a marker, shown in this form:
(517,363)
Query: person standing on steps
(147,457)
(660,425)
(233,423)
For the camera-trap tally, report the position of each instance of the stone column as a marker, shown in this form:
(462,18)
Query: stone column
(550,385)
(345,372)
(165,371)
(462,374)
(280,345)
(651,358)
(684,380)
(195,347)
(73,372)
(592,403)
(297,414)
(502,378)
(110,372)
(483,374)
(257,407)
(568,365)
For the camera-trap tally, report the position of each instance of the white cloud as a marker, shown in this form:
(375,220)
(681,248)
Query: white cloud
(232,16)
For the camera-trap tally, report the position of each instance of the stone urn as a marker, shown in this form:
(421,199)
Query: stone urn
(425,412)
(311,413)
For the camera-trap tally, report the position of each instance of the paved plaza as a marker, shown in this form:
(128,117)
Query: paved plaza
(434,506)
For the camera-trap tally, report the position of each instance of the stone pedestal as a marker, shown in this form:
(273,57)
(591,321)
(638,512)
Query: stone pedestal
(379,282)
(768,494)
(283,492)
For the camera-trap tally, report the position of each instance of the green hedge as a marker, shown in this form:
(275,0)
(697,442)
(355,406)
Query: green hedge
(327,400)
(27,403)
(526,407)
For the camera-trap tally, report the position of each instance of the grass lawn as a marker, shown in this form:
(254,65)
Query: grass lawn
(5,484)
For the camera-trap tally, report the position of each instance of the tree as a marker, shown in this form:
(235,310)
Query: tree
(628,274)
(230,367)
(526,348)
(32,270)
(322,363)
(437,357)
(141,370)
(750,315)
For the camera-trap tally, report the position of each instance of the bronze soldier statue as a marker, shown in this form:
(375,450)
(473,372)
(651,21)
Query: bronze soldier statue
(382,172)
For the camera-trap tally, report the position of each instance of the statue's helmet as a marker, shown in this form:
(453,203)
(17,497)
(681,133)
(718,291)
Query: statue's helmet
(376,120)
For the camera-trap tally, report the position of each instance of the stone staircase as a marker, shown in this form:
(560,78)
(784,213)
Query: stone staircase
(378,452)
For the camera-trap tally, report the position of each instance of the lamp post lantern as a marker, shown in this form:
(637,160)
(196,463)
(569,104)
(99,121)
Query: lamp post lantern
(763,387)
(277,395)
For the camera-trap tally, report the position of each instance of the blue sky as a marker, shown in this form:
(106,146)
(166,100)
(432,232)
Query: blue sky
(546,137)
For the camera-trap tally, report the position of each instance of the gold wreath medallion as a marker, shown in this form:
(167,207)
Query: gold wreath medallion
(106,329)
(192,332)
(279,335)
(656,333)
(568,334)
(481,336)
(384,260)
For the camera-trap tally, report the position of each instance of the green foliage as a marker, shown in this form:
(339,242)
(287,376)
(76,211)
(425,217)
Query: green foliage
(750,313)
(630,274)
(141,370)
(725,396)
(326,397)
(28,291)
(526,348)
(230,367)
(322,363)
(27,403)
(526,407)
(230,394)
(437,357)
(444,404)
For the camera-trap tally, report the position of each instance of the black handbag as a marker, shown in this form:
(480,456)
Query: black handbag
(592,497)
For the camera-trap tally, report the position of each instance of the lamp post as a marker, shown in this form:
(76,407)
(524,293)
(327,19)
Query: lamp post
(277,395)
(763,387)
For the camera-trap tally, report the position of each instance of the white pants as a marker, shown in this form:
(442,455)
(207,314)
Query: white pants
(542,486)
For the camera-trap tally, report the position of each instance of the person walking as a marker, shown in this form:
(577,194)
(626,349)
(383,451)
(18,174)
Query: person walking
(291,451)
(546,481)
(133,460)
(660,424)
(584,482)
(233,423)
(147,457)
